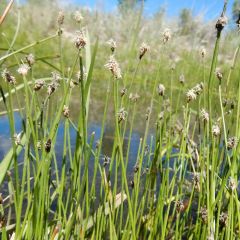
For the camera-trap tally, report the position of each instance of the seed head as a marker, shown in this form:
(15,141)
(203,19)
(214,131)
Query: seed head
(17,139)
(198,88)
(204,115)
(80,40)
(203,52)
(112,44)
(146,150)
(131,184)
(78,16)
(238,22)
(123,92)
(196,181)
(39,145)
(106,160)
(232,185)
(3,223)
(113,66)
(48,145)
(54,84)
(136,168)
(191,95)
(30,59)
(232,104)
(66,111)
(232,143)
(216,130)
(219,74)
(60,18)
(143,49)
(179,206)
(166,35)
(204,214)
(225,102)
(38,84)
(223,219)
(221,23)
(56,77)
(161,89)
(23,69)
(173,66)
(73,84)
(98,143)
(148,112)
(122,115)
(134,97)
(51,89)
(161,115)
(8,77)
(167,104)
(182,79)
(179,127)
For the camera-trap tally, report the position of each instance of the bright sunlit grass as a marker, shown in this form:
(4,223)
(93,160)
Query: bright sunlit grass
(179,93)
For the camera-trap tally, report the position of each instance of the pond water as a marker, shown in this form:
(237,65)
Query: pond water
(107,145)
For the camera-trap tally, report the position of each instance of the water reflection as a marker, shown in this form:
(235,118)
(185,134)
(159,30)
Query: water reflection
(5,139)
(107,145)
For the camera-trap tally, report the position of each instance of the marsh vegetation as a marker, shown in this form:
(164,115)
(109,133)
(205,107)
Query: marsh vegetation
(118,125)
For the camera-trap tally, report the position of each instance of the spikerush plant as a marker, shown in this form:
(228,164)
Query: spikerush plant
(184,180)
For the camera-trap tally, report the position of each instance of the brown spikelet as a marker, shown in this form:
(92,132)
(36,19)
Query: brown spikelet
(48,145)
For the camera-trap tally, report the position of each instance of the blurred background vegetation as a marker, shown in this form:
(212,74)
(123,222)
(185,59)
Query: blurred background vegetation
(36,19)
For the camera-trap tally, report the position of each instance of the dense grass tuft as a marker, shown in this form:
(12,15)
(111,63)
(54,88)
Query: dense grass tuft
(162,161)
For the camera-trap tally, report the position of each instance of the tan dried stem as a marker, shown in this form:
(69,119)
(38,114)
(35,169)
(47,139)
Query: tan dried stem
(7,9)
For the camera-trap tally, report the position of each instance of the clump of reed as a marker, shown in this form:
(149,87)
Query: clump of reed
(184,179)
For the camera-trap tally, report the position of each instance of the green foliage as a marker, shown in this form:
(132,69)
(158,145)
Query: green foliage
(186,21)
(126,5)
(236,10)
(175,186)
